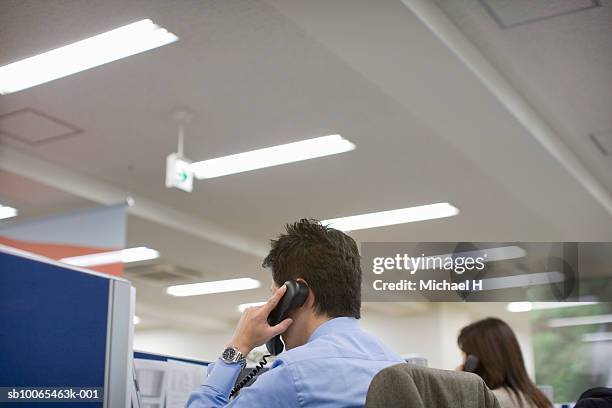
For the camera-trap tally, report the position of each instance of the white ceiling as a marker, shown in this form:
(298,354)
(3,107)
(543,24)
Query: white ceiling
(562,64)
(260,73)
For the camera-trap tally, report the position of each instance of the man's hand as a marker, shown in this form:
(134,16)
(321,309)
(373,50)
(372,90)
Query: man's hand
(253,329)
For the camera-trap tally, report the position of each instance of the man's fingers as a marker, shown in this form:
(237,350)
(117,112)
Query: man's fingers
(281,327)
(274,299)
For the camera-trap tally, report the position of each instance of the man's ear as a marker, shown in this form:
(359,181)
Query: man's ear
(310,300)
(309,303)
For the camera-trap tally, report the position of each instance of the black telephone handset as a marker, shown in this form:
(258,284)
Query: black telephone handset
(294,297)
(471,363)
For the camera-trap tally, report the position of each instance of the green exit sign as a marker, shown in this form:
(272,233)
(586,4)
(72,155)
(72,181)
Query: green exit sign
(179,173)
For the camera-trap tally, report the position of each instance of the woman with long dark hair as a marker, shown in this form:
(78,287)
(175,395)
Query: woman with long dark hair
(500,363)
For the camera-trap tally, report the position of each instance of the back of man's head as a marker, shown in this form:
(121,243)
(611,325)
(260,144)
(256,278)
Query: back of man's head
(327,259)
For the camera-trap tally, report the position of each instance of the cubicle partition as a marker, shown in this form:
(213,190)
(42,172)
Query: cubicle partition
(166,381)
(64,328)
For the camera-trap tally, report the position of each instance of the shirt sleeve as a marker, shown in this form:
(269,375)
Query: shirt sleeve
(272,389)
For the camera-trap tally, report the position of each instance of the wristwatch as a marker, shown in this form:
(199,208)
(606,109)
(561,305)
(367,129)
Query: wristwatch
(231,355)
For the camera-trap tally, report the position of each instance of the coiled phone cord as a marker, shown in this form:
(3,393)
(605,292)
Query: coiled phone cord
(251,375)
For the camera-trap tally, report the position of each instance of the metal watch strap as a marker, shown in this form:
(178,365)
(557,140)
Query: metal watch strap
(237,357)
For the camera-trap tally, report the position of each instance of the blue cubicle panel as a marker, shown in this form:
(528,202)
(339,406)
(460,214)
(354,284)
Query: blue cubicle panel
(56,327)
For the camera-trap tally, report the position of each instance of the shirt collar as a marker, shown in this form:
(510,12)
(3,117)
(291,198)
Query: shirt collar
(333,325)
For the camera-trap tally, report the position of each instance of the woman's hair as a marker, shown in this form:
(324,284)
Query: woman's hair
(500,361)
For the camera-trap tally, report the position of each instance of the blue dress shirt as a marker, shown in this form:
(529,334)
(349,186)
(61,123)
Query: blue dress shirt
(333,369)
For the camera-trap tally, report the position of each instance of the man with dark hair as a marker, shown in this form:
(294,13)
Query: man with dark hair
(329,360)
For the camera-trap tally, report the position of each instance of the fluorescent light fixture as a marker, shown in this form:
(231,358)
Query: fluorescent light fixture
(392,217)
(488,255)
(136,320)
(105,258)
(138,254)
(243,306)
(112,45)
(580,320)
(272,156)
(204,288)
(493,254)
(7,212)
(520,281)
(597,336)
(518,307)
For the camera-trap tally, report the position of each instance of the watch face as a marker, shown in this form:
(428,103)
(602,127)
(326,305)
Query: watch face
(229,353)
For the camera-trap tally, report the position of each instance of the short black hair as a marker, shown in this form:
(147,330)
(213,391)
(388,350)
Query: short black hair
(327,259)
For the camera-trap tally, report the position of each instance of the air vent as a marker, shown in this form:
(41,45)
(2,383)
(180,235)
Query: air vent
(35,128)
(163,274)
(603,142)
(509,14)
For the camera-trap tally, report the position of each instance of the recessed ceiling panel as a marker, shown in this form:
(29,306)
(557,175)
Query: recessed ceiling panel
(512,13)
(603,142)
(33,127)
